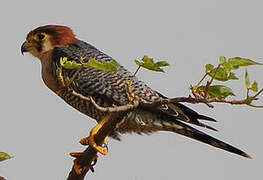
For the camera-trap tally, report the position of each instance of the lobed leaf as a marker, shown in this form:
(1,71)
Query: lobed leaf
(227,66)
(254,86)
(222,59)
(232,76)
(4,156)
(162,63)
(220,91)
(149,64)
(236,62)
(216,91)
(69,64)
(103,65)
(219,74)
(208,68)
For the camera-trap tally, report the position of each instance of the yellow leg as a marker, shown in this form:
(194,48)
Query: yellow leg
(91,138)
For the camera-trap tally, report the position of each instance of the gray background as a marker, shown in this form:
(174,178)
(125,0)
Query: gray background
(39,129)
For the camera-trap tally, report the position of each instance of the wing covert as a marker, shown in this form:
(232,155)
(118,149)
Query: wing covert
(91,81)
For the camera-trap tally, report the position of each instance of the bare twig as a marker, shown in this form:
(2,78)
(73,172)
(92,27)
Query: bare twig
(190,100)
(126,107)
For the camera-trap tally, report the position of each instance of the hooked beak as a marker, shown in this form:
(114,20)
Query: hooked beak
(24,47)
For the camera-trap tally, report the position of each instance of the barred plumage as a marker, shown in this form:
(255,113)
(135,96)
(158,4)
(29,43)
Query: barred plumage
(109,88)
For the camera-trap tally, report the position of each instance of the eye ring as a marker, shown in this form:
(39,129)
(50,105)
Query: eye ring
(40,36)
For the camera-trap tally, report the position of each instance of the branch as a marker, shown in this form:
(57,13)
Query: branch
(133,104)
(89,154)
(116,115)
(118,112)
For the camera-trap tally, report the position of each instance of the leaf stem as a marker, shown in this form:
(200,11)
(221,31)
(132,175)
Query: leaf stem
(134,74)
(261,90)
(247,93)
(211,80)
(202,79)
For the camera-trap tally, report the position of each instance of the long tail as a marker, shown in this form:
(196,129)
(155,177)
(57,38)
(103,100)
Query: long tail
(174,125)
(172,118)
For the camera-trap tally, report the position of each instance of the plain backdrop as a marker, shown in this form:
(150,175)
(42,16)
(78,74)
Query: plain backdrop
(39,129)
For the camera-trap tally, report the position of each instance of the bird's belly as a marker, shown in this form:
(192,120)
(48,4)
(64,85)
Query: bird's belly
(138,121)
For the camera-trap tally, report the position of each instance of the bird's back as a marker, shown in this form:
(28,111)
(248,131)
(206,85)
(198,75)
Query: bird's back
(91,81)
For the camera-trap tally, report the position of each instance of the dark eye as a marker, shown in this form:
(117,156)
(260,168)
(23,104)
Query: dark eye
(41,36)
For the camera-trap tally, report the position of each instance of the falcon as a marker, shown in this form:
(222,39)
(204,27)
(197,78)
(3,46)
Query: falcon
(50,43)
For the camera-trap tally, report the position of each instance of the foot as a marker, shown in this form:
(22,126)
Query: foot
(77,167)
(90,140)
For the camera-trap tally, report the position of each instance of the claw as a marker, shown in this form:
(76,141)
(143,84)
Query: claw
(93,163)
(77,167)
(103,149)
(76,154)
(90,140)
(84,141)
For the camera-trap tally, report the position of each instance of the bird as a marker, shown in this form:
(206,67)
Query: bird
(50,43)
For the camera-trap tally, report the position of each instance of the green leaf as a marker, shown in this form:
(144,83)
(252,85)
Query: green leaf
(236,62)
(103,65)
(208,68)
(219,74)
(222,59)
(69,64)
(232,76)
(93,63)
(4,156)
(162,63)
(254,86)
(220,91)
(227,66)
(149,64)
(247,82)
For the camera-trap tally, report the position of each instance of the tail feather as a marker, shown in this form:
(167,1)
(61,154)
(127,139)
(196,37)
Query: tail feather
(192,113)
(172,118)
(206,126)
(184,113)
(199,116)
(188,115)
(188,131)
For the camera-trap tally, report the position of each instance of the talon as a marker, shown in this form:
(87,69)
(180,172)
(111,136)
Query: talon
(93,163)
(76,154)
(84,141)
(77,167)
(103,149)
(90,140)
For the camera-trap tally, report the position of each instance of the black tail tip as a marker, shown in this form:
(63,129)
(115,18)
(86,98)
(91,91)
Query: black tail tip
(246,155)
(206,118)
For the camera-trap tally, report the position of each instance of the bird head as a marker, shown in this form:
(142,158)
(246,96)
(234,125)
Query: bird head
(46,38)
